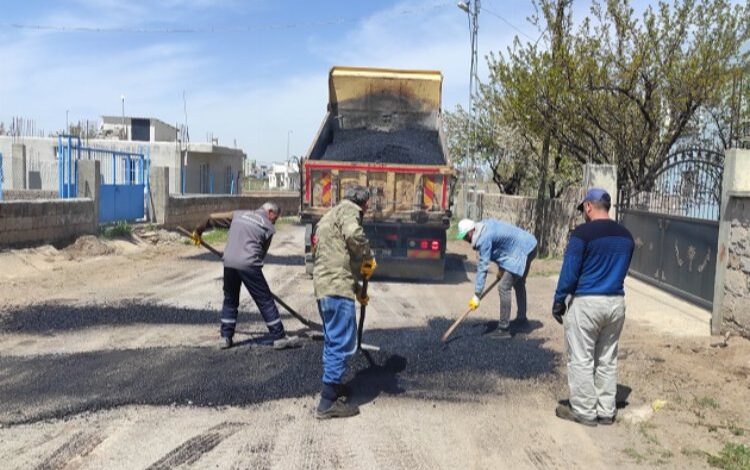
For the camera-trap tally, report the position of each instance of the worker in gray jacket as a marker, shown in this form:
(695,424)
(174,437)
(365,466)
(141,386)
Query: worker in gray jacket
(250,234)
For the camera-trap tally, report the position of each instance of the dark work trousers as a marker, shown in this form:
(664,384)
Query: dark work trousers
(517,283)
(257,286)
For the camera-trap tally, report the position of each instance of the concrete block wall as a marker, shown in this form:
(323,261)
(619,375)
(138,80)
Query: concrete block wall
(24,223)
(28,194)
(189,211)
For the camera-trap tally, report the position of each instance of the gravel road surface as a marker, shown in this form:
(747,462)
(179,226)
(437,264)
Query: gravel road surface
(111,361)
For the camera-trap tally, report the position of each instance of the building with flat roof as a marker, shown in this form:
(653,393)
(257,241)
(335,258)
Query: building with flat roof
(137,129)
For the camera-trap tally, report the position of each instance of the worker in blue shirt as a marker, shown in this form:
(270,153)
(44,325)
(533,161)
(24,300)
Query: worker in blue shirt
(512,249)
(592,276)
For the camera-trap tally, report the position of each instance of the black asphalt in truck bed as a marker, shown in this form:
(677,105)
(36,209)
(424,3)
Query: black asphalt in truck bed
(412,362)
(406,146)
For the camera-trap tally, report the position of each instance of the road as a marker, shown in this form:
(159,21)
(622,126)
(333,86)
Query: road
(112,361)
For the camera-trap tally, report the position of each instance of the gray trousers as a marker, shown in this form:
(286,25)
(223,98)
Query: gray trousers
(592,331)
(517,283)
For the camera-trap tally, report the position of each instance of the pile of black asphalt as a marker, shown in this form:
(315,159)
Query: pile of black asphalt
(405,146)
(412,362)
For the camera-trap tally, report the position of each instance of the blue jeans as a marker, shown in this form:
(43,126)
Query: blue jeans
(258,288)
(340,330)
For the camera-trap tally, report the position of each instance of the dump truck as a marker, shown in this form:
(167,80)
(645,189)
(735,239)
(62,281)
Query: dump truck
(383,129)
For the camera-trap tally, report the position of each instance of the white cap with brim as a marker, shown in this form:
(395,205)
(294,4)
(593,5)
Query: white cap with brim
(465,226)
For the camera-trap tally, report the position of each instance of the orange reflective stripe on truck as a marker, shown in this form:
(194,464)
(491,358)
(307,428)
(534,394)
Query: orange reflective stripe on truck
(325,195)
(428,191)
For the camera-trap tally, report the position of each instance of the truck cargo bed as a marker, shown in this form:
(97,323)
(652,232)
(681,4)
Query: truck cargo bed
(405,146)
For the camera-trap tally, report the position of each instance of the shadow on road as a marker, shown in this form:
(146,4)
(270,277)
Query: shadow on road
(370,382)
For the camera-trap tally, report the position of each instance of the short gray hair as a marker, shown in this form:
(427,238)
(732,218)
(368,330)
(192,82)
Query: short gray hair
(271,207)
(357,194)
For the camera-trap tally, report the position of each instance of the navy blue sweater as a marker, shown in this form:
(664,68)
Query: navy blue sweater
(596,260)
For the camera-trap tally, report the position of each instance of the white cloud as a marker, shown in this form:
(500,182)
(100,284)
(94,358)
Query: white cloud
(37,83)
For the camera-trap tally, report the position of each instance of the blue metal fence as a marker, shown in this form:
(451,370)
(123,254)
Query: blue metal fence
(124,187)
(68,151)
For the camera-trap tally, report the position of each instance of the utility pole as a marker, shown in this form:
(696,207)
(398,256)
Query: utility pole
(288,133)
(67,127)
(472,9)
(122,99)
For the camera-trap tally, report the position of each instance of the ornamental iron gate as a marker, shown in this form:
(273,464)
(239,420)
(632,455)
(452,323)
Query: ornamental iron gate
(675,224)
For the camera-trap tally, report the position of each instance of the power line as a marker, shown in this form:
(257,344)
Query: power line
(208,30)
(501,18)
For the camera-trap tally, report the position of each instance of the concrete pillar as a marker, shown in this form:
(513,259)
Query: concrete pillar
(736,180)
(158,198)
(89,182)
(605,177)
(18,167)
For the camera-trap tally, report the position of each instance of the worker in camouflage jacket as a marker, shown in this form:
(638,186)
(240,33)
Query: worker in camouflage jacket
(342,256)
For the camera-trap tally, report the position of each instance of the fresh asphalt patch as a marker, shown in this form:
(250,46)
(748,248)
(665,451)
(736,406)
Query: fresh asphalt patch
(412,362)
(51,318)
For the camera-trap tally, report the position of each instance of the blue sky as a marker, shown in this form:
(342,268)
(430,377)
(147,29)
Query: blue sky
(262,73)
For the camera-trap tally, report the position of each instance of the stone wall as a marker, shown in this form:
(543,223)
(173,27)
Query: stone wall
(562,216)
(25,223)
(188,211)
(736,301)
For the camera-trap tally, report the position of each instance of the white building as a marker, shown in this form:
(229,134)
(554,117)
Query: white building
(137,129)
(194,167)
(284,176)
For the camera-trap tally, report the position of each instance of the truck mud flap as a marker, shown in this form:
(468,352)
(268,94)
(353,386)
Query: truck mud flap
(411,269)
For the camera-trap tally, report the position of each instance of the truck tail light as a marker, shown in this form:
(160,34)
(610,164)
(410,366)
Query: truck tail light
(392,237)
(435,245)
(314,240)
(423,244)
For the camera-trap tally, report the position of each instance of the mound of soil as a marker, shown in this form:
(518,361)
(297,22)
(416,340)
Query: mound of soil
(89,245)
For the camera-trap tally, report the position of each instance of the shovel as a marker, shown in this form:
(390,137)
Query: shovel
(466,314)
(313,326)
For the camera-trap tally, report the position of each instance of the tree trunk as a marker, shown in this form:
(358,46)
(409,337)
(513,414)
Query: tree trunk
(540,218)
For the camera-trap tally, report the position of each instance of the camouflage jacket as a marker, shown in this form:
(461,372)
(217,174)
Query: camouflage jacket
(341,245)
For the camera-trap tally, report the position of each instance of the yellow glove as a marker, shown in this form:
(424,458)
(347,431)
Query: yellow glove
(474,302)
(195,237)
(368,267)
(363,300)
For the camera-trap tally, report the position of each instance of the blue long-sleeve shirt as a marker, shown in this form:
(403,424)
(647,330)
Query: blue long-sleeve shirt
(505,244)
(596,260)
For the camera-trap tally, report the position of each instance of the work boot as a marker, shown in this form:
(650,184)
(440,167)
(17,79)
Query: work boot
(226,342)
(286,341)
(501,333)
(607,420)
(339,409)
(342,390)
(565,412)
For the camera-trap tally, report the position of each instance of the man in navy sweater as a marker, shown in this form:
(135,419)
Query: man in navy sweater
(593,272)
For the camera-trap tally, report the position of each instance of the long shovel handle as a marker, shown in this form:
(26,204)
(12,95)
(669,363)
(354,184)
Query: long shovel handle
(289,309)
(362,311)
(466,314)
(203,244)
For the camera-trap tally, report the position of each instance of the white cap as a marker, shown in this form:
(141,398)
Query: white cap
(465,226)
